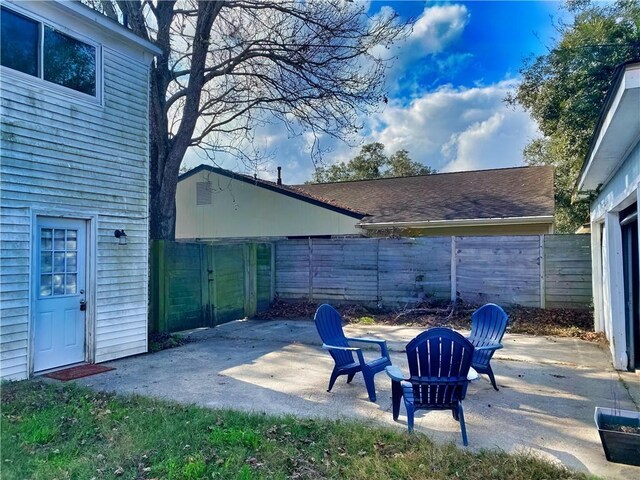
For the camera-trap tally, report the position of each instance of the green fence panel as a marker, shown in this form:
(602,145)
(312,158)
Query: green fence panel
(229,272)
(264,276)
(198,285)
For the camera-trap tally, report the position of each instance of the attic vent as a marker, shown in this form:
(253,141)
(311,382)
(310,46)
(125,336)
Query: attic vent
(203,193)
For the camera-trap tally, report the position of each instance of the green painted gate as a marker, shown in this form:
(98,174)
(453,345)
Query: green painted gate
(198,285)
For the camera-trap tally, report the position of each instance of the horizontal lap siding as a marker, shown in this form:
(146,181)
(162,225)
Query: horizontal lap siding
(15,239)
(58,153)
(568,271)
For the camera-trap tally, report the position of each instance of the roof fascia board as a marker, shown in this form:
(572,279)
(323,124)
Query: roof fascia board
(461,222)
(610,106)
(273,188)
(114,28)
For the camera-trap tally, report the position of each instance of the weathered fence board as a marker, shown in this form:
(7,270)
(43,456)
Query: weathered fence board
(568,270)
(530,270)
(503,270)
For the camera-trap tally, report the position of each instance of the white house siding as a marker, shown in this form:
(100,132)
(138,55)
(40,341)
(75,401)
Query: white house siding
(242,210)
(60,154)
(622,189)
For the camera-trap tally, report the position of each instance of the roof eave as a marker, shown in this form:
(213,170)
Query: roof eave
(607,114)
(113,27)
(464,222)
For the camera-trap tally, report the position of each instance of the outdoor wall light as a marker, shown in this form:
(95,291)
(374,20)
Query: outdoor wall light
(121,236)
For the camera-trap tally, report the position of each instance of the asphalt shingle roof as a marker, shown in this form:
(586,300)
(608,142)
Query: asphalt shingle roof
(499,193)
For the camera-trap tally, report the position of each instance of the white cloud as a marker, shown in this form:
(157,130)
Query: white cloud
(434,30)
(450,129)
(454,129)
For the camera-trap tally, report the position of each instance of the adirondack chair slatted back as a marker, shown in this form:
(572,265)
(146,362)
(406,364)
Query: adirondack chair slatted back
(439,361)
(329,326)
(488,324)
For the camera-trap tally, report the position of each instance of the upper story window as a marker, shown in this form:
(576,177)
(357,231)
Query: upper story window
(39,50)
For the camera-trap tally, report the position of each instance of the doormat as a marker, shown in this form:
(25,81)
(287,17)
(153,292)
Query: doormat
(78,372)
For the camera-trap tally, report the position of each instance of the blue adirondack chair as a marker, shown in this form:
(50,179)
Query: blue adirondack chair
(439,362)
(329,325)
(488,324)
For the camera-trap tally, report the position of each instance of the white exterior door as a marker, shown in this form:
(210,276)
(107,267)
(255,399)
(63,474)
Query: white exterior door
(60,284)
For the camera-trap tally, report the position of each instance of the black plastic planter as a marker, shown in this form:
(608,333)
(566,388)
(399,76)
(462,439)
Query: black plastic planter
(619,447)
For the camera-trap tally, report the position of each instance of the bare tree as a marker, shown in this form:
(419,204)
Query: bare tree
(229,65)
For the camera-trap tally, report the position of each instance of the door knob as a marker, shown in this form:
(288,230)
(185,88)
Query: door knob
(83,305)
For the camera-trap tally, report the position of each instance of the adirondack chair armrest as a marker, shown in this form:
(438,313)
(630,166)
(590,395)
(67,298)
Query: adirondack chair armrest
(335,347)
(381,343)
(358,351)
(496,346)
(395,373)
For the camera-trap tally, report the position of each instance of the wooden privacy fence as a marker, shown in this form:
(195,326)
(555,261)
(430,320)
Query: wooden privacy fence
(198,285)
(547,271)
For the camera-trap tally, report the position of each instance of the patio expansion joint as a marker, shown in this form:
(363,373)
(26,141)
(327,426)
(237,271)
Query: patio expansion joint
(635,400)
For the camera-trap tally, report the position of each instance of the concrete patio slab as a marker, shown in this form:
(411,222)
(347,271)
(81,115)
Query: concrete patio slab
(548,387)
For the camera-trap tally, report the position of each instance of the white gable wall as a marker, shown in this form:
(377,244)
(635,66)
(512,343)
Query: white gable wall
(62,155)
(242,210)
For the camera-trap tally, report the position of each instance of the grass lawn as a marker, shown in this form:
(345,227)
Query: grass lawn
(64,431)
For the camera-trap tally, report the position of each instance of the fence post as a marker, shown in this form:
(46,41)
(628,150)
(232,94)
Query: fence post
(250,278)
(378,297)
(310,269)
(204,288)
(543,287)
(212,285)
(454,291)
(272,249)
(160,290)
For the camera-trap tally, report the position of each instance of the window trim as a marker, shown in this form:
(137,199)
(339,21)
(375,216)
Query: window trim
(39,81)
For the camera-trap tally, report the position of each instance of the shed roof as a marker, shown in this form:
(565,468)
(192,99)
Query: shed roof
(482,194)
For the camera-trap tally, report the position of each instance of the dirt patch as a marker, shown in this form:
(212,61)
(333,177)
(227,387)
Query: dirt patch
(163,341)
(557,322)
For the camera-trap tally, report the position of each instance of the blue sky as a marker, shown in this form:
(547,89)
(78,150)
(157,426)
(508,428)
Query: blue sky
(446,90)
(496,38)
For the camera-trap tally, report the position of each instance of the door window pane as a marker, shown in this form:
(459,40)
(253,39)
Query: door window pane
(58,284)
(72,261)
(19,38)
(58,239)
(71,283)
(69,62)
(58,262)
(72,239)
(46,263)
(46,242)
(45,285)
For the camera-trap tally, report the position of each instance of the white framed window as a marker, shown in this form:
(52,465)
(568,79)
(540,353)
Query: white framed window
(39,50)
